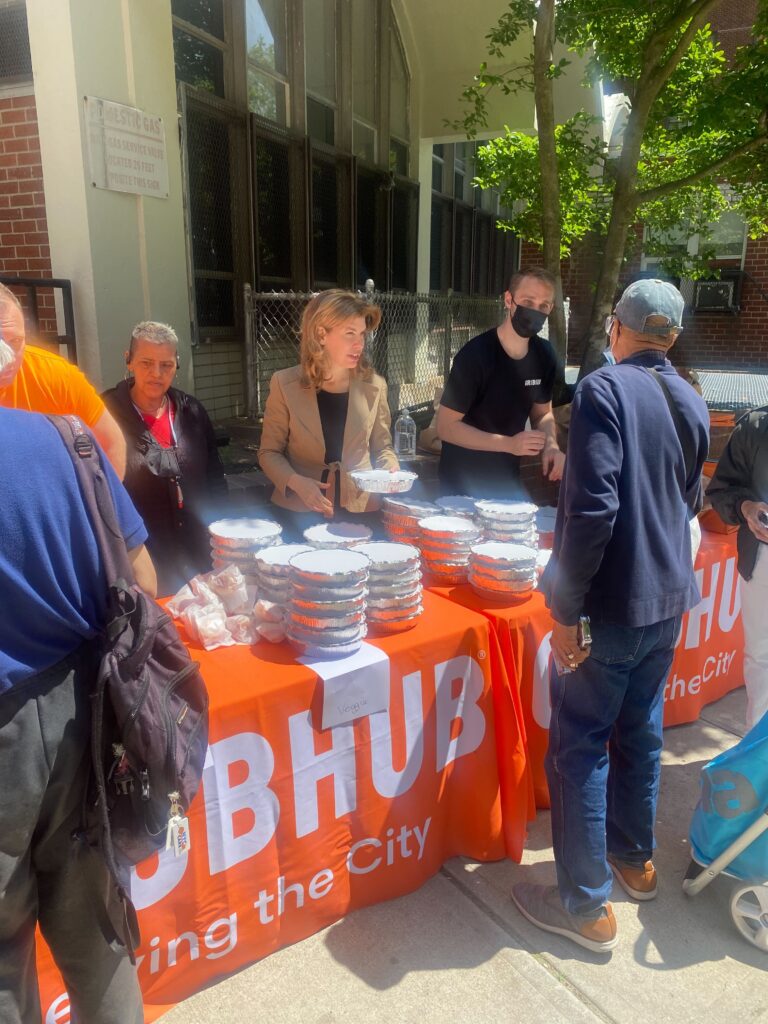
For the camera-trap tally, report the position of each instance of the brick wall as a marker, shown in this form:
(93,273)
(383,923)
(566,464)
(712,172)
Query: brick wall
(723,341)
(732,23)
(24,249)
(728,341)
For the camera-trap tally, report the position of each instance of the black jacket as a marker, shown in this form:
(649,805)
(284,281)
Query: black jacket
(178,537)
(742,475)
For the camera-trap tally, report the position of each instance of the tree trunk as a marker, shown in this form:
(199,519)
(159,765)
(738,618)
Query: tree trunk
(543,44)
(623,212)
(622,218)
(656,70)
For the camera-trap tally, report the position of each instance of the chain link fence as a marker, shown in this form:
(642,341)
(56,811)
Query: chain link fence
(412,349)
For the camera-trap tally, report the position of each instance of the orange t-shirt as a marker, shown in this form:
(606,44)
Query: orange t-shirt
(49,384)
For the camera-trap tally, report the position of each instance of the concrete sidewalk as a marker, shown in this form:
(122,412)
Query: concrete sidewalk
(458,952)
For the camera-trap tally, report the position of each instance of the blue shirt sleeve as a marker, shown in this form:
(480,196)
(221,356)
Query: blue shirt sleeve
(591,497)
(130,522)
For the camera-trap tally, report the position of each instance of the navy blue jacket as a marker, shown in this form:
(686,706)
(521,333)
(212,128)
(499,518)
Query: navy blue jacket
(622,548)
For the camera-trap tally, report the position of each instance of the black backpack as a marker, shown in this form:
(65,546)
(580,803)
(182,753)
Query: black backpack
(149,704)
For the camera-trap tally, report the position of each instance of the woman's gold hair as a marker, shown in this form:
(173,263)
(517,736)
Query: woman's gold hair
(323,312)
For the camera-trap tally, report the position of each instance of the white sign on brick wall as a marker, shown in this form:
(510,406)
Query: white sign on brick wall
(127,149)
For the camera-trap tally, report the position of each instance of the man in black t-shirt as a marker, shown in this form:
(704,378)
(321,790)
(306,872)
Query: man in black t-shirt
(499,381)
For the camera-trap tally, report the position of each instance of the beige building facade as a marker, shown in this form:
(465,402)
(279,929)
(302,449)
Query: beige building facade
(302,144)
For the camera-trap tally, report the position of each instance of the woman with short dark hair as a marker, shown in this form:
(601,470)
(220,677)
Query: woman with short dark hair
(174,473)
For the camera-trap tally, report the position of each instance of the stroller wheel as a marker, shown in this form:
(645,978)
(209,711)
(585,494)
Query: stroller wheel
(749,910)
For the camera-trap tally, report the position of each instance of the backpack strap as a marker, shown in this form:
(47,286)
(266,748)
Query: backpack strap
(97,497)
(100,506)
(683,436)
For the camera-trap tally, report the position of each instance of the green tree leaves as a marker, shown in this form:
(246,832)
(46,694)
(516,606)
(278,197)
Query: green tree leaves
(694,143)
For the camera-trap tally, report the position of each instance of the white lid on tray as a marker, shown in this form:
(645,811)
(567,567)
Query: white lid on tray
(305,619)
(430,542)
(331,562)
(388,553)
(319,652)
(409,507)
(496,531)
(501,586)
(327,637)
(382,481)
(391,626)
(326,606)
(337,533)
(498,551)
(279,556)
(499,509)
(461,504)
(394,582)
(395,614)
(402,602)
(446,526)
(242,532)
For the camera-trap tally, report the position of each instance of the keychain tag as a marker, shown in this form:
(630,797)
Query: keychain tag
(177,835)
(180,836)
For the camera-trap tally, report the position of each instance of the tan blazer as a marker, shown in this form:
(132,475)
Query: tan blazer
(292,438)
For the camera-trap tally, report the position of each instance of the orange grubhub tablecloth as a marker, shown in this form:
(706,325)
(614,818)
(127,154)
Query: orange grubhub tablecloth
(708,661)
(295,826)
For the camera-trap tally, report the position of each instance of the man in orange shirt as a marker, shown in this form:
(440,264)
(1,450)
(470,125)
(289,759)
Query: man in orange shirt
(40,381)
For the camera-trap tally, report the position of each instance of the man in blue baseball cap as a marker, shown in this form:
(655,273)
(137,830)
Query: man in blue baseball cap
(639,435)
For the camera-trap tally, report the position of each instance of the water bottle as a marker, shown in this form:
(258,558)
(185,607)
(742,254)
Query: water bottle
(405,436)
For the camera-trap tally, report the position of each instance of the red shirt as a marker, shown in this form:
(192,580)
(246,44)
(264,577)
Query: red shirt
(161,427)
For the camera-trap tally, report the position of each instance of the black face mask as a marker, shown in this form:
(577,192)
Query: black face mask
(527,322)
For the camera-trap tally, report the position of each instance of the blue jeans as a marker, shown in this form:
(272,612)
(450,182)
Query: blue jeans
(604,758)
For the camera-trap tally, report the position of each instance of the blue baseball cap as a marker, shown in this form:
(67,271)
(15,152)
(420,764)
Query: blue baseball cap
(647,298)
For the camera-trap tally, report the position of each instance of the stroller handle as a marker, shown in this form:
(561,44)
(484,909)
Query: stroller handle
(693,886)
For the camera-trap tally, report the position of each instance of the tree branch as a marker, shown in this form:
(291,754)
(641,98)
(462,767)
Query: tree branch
(652,194)
(692,10)
(551,214)
(697,13)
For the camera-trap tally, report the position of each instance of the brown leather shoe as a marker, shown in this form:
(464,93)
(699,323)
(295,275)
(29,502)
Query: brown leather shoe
(541,905)
(639,883)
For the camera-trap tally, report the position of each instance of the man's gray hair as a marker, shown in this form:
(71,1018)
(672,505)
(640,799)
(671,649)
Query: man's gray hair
(7,298)
(157,333)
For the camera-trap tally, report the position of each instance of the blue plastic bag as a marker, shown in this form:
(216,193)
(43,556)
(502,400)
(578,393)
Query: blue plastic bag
(734,793)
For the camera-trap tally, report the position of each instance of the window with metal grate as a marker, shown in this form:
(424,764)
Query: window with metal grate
(15,58)
(212,245)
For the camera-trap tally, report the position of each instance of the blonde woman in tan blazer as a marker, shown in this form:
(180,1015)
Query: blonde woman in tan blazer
(327,416)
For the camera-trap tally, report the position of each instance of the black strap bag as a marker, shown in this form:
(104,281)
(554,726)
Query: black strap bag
(695,501)
(149,704)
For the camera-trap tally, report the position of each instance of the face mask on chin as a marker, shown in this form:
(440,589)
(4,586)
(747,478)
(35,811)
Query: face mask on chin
(527,322)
